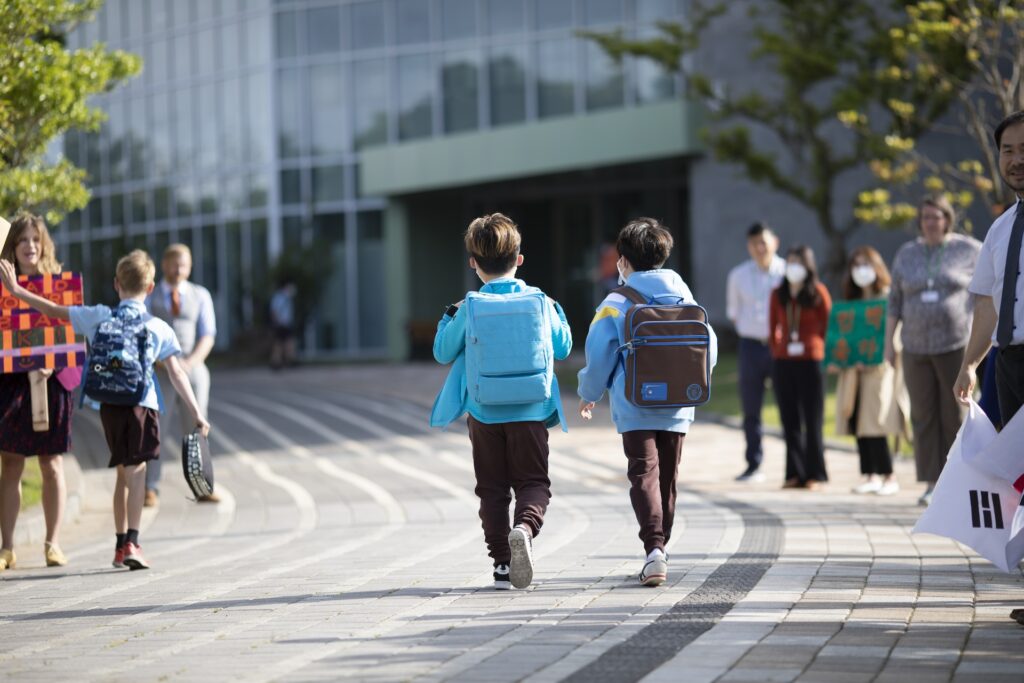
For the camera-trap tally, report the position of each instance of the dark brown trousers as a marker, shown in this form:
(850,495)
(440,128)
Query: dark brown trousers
(653,465)
(510,457)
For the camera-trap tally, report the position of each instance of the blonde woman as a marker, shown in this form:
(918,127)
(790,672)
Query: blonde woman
(871,401)
(32,251)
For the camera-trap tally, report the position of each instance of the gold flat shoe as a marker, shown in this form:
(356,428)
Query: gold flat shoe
(7,559)
(54,557)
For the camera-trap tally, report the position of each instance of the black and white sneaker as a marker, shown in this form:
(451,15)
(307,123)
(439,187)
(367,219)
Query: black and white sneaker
(520,540)
(752,475)
(501,582)
(655,570)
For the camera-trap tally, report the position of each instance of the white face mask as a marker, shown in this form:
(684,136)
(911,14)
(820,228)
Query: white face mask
(622,276)
(863,276)
(795,273)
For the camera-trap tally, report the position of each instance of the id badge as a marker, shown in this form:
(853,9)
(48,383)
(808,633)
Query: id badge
(795,348)
(930,296)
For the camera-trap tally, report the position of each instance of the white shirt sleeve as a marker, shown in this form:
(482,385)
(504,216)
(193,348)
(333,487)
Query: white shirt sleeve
(984,279)
(732,296)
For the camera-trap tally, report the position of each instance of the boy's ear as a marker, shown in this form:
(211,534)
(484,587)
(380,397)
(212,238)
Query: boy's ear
(117,286)
(149,289)
(519,260)
(472,263)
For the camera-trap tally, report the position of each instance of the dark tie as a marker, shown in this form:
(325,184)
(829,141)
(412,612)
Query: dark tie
(176,296)
(1004,332)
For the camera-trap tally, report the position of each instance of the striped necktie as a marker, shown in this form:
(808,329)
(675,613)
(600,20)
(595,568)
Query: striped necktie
(1004,331)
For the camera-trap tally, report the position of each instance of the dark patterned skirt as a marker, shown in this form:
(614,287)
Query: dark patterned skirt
(16,433)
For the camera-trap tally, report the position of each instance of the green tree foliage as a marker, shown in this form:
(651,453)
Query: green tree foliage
(44,90)
(825,57)
(971,51)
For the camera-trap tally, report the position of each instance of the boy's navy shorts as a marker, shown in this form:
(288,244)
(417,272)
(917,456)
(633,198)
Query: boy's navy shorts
(133,433)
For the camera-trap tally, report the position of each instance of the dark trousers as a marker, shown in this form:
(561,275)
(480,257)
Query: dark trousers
(509,457)
(653,465)
(800,393)
(935,414)
(875,456)
(755,367)
(1010,381)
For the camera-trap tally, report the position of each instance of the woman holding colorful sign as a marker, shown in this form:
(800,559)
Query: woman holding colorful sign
(929,296)
(31,249)
(797,319)
(871,401)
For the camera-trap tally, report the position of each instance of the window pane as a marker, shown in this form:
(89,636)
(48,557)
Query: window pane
(257,40)
(183,129)
(139,161)
(116,136)
(140,206)
(261,133)
(372,310)
(461,89)
(603,11)
(160,142)
(182,58)
(327,89)
(287,34)
(459,18)
(506,16)
(291,186)
(332,313)
(162,203)
(259,269)
(412,21)
(182,12)
(206,51)
(367,25)
(116,204)
(604,80)
(209,135)
(328,183)
(508,85)
(653,83)
(289,102)
(209,259)
(234,119)
(415,97)
(323,30)
(656,10)
(229,49)
(556,70)
(258,192)
(370,97)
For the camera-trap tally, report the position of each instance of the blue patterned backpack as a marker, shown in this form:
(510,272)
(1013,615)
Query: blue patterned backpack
(118,369)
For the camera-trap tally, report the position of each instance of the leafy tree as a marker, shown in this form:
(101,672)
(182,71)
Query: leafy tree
(44,90)
(825,56)
(972,51)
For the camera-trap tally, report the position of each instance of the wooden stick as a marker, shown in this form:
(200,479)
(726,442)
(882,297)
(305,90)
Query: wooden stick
(5,228)
(40,401)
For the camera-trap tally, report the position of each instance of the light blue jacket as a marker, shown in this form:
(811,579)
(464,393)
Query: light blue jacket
(450,347)
(604,363)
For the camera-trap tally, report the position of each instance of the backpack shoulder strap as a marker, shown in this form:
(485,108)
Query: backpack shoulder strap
(631,294)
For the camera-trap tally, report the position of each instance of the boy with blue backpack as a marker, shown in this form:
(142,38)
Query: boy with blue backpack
(124,344)
(650,345)
(502,343)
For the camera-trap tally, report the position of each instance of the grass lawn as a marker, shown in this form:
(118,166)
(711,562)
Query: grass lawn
(31,483)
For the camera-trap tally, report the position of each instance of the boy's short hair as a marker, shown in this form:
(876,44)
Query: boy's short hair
(493,242)
(757,229)
(135,273)
(645,243)
(177,249)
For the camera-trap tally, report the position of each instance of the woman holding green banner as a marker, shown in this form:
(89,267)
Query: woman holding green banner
(929,296)
(871,401)
(32,251)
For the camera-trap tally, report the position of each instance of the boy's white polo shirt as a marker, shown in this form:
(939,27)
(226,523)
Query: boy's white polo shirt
(162,342)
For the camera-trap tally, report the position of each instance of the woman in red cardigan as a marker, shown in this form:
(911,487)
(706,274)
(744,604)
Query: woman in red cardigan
(798,319)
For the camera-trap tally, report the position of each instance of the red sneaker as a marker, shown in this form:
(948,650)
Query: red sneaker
(133,558)
(118,558)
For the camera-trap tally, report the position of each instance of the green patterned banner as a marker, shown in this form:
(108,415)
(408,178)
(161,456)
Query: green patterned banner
(856,333)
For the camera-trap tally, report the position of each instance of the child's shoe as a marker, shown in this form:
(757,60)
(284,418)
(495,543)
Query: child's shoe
(54,556)
(501,580)
(655,569)
(133,558)
(7,559)
(118,558)
(520,540)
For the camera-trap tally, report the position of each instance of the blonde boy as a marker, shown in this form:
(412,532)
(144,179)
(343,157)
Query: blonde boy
(132,431)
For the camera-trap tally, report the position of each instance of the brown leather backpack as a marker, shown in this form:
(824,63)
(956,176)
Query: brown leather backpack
(666,352)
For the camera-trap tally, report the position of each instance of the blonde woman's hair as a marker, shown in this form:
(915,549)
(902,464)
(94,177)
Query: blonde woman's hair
(48,263)
(493,241)
(942,203)
(135,273)
(177,249)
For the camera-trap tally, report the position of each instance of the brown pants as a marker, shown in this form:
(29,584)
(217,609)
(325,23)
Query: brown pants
(935,414)
(653,465)
(507,457)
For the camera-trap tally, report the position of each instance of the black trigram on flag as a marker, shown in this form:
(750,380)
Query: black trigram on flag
(986,510)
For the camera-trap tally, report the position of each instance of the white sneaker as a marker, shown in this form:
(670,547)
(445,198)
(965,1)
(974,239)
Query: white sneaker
(655,571)
(889,488)
(520,573)
(501,582)
(870,486)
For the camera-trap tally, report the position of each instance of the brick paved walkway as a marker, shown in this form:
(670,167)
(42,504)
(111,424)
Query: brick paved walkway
(348,546)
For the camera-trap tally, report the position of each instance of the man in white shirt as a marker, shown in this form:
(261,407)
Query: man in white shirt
(748,292)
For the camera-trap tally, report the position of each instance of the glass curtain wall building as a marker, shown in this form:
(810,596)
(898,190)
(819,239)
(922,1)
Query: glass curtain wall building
(245,135)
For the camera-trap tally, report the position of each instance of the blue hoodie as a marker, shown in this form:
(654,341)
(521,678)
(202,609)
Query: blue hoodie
(604,368)
(450,347)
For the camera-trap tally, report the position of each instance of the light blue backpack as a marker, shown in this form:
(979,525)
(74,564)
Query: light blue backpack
(509,355)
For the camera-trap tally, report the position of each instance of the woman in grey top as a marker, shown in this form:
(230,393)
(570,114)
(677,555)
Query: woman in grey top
(929,294)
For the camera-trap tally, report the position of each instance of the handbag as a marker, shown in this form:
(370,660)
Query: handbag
(197,464)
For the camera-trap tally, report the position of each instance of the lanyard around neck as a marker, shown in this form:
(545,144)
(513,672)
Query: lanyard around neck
(793,310)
